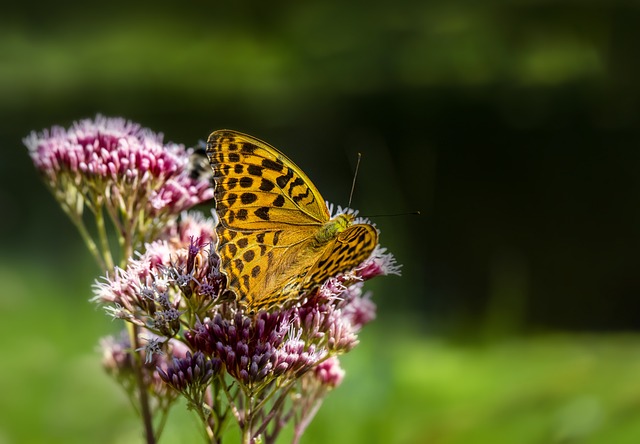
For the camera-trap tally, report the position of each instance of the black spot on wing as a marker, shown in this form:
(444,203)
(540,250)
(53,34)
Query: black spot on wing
(246,182)
(248,148)
(272,165)
(249,255)
(299,197)
(278,201)
(242,214)
(295,183)
(232,182)
(266,185)
(223,170)
(248,198)
(245,281)
(282,181)
(262,213)
(255,170)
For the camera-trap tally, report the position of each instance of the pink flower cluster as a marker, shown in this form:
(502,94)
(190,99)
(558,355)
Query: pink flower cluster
(149,290)
(116,158)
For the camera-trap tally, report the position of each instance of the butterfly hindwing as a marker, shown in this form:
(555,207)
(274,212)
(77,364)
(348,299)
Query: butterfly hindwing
(349,249)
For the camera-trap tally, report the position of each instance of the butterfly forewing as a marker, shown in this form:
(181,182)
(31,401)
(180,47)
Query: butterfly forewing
(257,186)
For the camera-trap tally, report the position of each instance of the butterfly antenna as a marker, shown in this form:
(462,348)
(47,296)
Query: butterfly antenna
(410,213)
(353,184)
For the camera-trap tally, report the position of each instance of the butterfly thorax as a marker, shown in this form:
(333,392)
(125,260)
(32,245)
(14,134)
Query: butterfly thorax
(332,228)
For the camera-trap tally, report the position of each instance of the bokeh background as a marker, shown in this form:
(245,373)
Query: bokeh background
(512,126)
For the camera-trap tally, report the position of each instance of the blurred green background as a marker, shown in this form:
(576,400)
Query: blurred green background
(513,126)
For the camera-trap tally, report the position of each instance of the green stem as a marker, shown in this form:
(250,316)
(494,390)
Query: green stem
(86,237)
(145,410)
(103,236)
(276,405)
(272,392)
(126,246)
(209,432)
(73,203)
(305,420)
(247,424)
(232,405)
(163,422)
(216,407)
(117,223)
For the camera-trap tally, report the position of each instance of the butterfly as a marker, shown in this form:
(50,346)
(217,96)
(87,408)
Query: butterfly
(276,238)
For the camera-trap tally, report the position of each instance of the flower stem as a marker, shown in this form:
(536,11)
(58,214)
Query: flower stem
(145,410)
(305,421)
(232,405)
(208,428)
(163,422)
(103,236)
(275,408)
(73,203)
(89,242)
(247,426)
